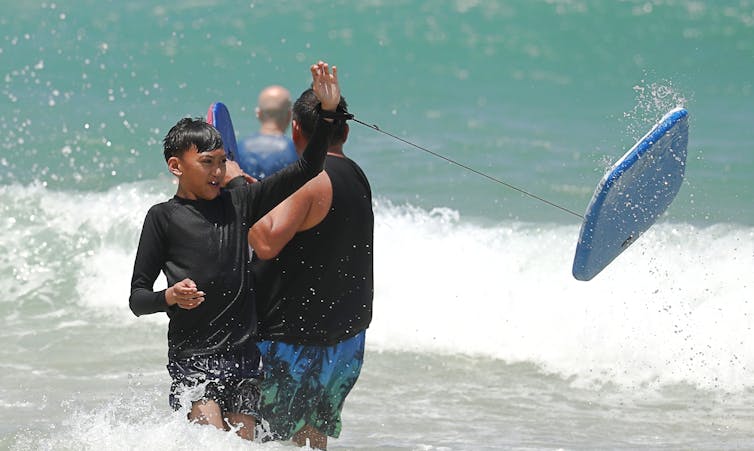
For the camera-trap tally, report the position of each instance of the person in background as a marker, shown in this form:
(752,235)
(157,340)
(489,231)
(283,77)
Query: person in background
(314,278)
(199,240)
(269,150)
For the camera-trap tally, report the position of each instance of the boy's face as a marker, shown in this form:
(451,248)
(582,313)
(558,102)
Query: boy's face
(199,174)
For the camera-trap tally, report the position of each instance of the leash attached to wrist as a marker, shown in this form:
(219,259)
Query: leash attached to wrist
(338,114)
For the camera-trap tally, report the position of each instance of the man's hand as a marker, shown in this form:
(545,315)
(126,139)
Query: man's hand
(185,294)
(325,85)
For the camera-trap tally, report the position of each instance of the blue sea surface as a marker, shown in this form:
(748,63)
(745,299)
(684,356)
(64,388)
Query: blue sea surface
(481,338)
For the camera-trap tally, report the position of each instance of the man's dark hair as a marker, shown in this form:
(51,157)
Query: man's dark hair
(190,132)
(306,113)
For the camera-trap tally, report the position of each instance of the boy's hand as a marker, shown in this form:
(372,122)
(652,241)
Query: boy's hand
(185,294)
(233,170)
(325,85)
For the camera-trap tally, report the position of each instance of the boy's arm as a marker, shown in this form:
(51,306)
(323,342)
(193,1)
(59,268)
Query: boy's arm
(303,210)
(147,266)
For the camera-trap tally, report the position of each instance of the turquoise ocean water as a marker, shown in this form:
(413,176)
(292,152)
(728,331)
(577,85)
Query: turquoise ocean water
(481,338)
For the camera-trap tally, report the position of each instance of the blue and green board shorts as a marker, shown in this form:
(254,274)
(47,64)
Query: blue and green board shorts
(305,384)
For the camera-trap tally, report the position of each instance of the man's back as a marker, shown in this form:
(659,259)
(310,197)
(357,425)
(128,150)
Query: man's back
(319,288)
(269,150)
(260,155)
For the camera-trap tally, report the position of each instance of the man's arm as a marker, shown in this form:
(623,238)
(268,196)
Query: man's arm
(301,211)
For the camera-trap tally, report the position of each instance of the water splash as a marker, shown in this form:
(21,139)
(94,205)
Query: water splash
(139,420)
(653,100)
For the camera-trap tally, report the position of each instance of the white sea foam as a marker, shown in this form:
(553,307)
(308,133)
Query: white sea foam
(133,423)
(675,307)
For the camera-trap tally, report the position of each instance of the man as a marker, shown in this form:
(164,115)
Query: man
(314,290)
(269,150)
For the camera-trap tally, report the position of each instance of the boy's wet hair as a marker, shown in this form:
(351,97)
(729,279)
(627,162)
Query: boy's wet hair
(306,112)
(190,132)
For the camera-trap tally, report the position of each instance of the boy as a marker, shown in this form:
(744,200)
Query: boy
(199,240)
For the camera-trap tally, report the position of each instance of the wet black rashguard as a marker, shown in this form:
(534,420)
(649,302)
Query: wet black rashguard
(206,241)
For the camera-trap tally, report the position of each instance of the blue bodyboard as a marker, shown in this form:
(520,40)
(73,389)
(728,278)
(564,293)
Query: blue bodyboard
(633,194)
(218,115)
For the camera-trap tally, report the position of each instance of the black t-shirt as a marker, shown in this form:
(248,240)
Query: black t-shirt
(319,289)
(206,241)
